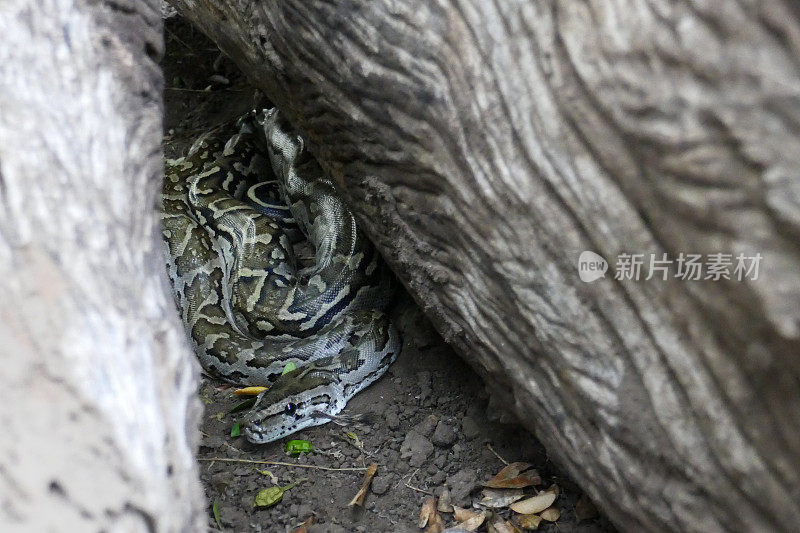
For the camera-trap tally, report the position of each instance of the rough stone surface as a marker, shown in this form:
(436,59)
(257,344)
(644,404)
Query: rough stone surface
(461,484)
(444,435)
(99,410)
(416,448)
(485,145)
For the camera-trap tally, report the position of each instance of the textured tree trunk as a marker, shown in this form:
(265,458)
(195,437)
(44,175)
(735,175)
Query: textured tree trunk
(485,145)
(99,410)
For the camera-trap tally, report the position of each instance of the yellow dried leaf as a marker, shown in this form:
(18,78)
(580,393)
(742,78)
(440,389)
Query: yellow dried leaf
(445,504)
(303,528)
(530,521)
(249,391)
(499,498)
(474,522)
(462,515)
(537,504)
(515,476)
(551,514)
(427,511)
(358,499)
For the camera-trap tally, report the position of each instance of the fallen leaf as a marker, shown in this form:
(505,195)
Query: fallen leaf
(358,499)
(249,391)
(551,514)
(215,510)
(248,403)
(498,525)
(499,498)
(537,504)
(296,447)
(272,495)
(288,368)
(462,515)
(355,440)
(445,504)
(427,512)
(515,476)
(554,489)
(530,521)
(235,430)
(272,478)
(473,522)
(303,528)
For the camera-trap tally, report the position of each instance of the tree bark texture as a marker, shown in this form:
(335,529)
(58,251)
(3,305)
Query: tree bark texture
(485,145)
(99,410)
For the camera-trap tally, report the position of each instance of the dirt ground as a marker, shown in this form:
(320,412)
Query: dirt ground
(426,422)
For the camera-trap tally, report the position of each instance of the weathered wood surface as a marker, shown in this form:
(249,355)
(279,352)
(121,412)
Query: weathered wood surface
(484,145)
(99,408)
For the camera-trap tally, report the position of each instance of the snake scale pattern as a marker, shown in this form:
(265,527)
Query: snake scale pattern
(233,210)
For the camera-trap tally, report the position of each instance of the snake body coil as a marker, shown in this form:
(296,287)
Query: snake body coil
(248,306)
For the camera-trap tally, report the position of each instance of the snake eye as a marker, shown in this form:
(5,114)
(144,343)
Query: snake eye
(290,408)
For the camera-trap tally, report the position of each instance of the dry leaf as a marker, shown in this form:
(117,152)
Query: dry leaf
(435,524)
(462,515)
(473,522)
(515,476)
(499,498)
(551,514)
(445,504)
(427,511)
(303,528)
(498,525)
(358,499)
(249,391)
(555,489)
(530,521)
(537,504)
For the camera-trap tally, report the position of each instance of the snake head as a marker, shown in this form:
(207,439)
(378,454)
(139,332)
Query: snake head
(305,397)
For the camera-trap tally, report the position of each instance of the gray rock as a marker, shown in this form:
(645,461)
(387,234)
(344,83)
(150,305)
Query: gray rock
(427,426)
(392,420)
(470,428)
(461,484)
(444,435)
(380,485)
(416,448)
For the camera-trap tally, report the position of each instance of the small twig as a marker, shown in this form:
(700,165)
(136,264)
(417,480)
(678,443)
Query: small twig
(412,487)
(496,454)
(279,463)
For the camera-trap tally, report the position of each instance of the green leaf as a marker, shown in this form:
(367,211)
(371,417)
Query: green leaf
(250,402)
(288,368)
(215,510)
(269,497)
(296,447)
(235,431)
(272,495)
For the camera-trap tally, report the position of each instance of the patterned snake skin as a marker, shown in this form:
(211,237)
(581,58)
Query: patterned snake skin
(248,305)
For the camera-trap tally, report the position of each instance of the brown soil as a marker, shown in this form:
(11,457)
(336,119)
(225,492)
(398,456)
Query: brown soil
(426,422)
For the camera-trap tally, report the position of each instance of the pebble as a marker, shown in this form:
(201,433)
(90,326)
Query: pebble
(380,485)
(416,448)
(469,428)
(427,426)
(444,435)
(461,484)
(392,421)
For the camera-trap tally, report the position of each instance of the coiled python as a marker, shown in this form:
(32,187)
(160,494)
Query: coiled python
(232,210)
